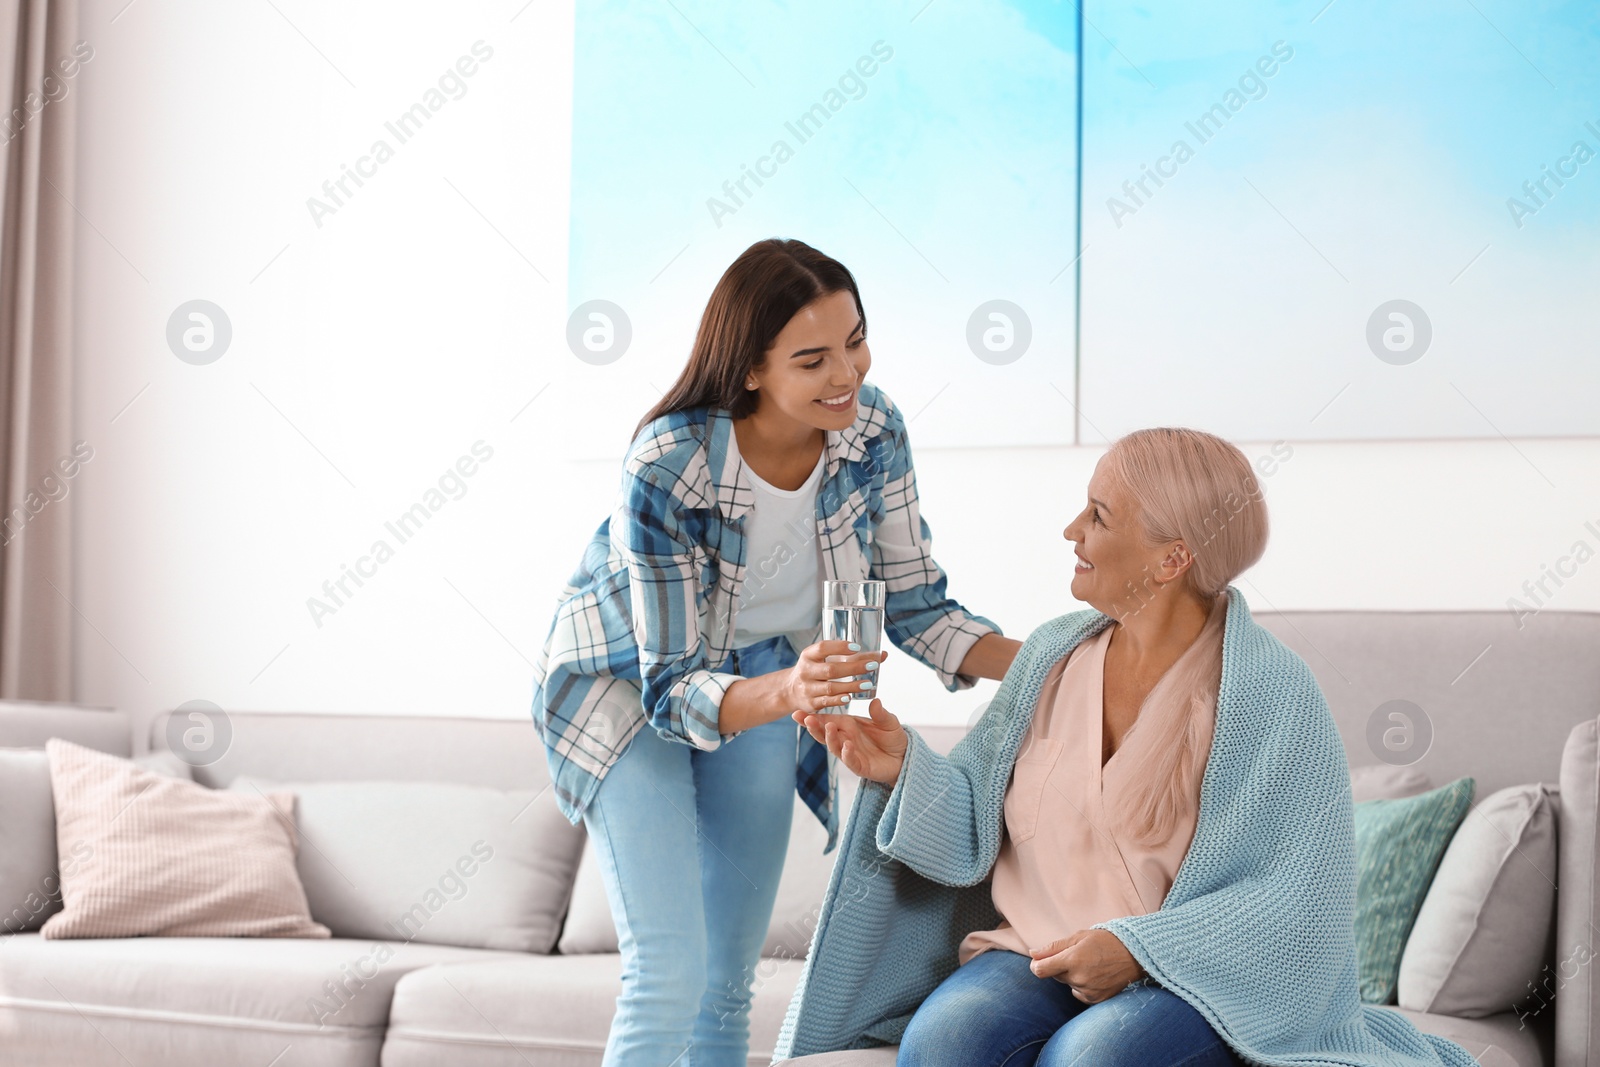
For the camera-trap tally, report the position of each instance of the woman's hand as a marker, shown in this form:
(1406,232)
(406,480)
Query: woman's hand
(872,748)
(1094,964)
(810,686)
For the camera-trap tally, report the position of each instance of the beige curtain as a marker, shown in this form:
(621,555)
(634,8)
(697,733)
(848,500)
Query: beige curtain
(37,38)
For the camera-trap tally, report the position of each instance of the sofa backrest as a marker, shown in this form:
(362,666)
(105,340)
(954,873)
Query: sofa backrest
(1499,699)
(1499,702)
(303,746)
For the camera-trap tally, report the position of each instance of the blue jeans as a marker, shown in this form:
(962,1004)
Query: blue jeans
(690,845)
(994,1010)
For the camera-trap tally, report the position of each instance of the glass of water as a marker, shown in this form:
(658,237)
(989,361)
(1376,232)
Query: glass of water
(852,610)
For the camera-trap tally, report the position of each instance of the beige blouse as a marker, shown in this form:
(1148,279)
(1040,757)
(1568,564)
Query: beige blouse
(1063,866)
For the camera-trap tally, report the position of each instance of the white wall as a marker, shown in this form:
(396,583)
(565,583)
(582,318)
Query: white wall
(428,314)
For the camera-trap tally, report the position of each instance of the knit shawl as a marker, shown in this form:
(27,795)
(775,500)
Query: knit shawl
(1257,932)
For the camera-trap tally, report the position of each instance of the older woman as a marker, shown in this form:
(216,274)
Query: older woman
(1142,853)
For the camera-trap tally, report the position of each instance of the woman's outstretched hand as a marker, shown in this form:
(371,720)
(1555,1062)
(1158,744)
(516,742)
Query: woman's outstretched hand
(1094,964)
(872,748)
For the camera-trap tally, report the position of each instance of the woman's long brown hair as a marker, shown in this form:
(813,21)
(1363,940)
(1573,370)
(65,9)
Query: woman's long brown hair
(753,301)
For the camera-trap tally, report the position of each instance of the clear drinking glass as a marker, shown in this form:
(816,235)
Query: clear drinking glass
(852,610)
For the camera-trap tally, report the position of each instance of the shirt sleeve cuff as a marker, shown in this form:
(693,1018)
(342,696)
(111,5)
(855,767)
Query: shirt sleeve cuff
(702,693)
(962,631)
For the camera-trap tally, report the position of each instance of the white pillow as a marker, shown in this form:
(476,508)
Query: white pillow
(1483,930)
(438,862)
(162,857)
(590,929)
(164,762)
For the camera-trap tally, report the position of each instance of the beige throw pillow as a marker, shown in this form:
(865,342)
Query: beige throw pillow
(169,858)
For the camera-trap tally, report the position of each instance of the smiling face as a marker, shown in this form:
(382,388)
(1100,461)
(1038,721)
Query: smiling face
(821,354)
(1117,572)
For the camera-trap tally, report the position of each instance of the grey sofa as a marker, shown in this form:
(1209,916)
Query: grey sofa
(1507,706)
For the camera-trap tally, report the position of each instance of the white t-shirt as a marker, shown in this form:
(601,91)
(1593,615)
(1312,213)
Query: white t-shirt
(782,589)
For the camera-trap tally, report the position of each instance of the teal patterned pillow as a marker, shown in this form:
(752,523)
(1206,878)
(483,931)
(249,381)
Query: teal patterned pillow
(1398,847)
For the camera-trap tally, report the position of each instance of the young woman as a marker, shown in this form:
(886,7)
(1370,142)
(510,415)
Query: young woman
(770,466)
(1078,897)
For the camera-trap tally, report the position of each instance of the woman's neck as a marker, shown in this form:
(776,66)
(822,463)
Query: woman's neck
(782,455)
(1160,630)
(780,435)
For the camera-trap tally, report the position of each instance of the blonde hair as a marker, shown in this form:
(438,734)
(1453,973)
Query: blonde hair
(1195,487)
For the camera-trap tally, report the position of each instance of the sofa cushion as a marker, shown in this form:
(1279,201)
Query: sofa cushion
(439,862)
(883,1056)
(1398,846)
(1498,1041)
(589,927)
(168,857)
(203,1000)
(1482,932)
(476,1014)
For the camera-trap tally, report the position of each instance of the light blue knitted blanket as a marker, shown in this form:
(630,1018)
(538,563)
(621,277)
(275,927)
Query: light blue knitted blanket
(1257,931)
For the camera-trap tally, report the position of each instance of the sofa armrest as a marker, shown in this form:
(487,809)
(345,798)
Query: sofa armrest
(1577,919)
(28,724)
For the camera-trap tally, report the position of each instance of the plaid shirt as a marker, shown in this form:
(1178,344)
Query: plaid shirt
(649,616)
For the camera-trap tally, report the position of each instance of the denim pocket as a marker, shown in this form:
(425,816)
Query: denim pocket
(1025,795)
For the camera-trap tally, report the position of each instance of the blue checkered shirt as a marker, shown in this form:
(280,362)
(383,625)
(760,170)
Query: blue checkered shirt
(649,615)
